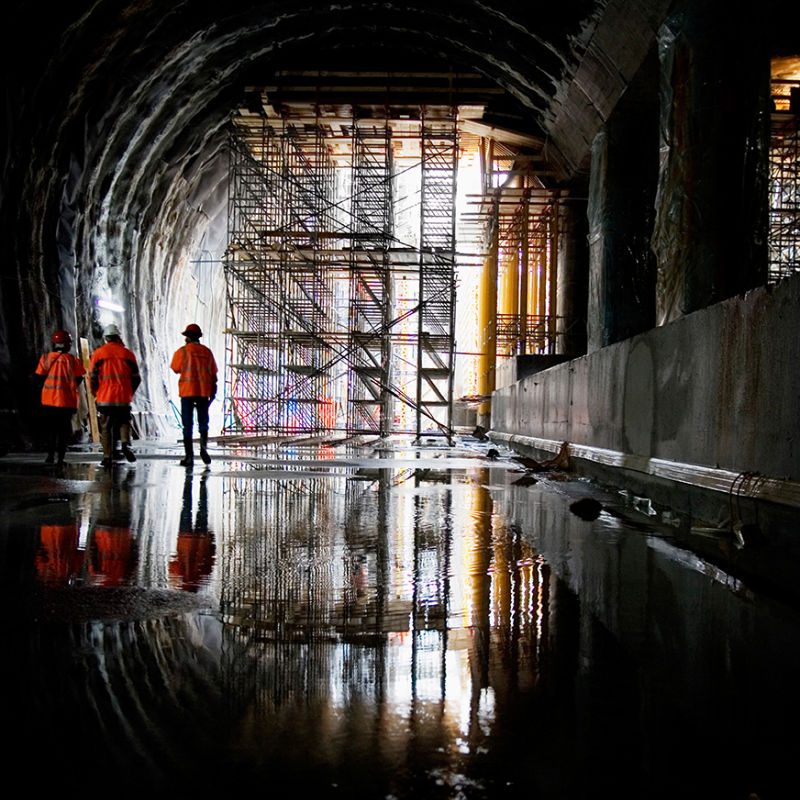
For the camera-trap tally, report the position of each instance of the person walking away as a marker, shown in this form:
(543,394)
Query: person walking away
(197,387)
(114,378)
(61,375)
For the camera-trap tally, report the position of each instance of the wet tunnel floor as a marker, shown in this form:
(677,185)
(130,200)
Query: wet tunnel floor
(425,623)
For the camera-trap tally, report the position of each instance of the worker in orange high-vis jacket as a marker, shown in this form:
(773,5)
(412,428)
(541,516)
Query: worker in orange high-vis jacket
(197,387)
(114,377)
(61,374)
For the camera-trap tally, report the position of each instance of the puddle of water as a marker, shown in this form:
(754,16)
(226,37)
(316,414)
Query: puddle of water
(378,628)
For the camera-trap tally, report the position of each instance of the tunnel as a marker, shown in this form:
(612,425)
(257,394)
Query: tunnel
(117,198)
(132,185)
(121,190)
(621,313)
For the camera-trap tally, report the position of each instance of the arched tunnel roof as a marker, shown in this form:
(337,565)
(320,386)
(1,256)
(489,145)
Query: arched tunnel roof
(116,113)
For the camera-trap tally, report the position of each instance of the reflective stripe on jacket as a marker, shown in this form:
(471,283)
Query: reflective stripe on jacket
(114,374)
(60,371)
(195,364)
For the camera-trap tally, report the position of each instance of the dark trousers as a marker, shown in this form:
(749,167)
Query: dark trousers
(188,404)
(115,422)
(58,422)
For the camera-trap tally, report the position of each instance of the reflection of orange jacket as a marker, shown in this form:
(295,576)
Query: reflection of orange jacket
(113,556)
(58,556)
(61,371)
(195,364)
(114,374)
(194,560)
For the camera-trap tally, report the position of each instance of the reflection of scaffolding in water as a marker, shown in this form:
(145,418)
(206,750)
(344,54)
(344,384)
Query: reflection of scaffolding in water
(784,218)
(309,601)
(403,575)
(312,316)
(321,602)
(280,289)
(433,533)
(278,582)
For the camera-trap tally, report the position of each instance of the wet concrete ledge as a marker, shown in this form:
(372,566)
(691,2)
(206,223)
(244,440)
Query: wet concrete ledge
(716,388)
(700,496)
(742,484)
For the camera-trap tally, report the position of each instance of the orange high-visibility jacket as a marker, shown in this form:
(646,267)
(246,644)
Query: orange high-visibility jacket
(195,364)
(113,556)
(194,560)
(61,371)
(114,374)
(58,556)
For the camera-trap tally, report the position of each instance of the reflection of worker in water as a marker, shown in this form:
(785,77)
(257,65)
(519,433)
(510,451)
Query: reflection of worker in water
(194,559)
(58,558)
(61,374)
(113,548)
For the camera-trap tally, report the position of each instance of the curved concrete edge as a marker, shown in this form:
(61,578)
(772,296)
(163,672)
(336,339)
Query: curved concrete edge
(742,484)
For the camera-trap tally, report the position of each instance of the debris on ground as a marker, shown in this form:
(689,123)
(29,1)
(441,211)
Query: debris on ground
(559,461)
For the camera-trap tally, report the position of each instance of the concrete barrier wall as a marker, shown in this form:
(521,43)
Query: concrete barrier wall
(719,388)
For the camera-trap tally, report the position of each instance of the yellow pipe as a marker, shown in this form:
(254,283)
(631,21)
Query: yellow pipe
(542,281)
(511,291)
(507,302)
(553,312)
(523,277)
(478,577)
(487,315)
(532,273)
(535,290)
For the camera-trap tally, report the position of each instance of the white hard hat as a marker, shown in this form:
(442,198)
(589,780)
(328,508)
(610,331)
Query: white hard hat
(110,330)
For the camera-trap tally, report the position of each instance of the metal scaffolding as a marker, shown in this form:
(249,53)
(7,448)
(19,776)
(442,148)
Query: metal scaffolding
(518,233)
(344,254)
(437,286)
(311,266)
(370,284)
(527,243)
(279,286)
(784,187)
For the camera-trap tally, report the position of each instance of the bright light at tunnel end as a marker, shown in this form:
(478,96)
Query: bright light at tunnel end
(108,305)
(108,311)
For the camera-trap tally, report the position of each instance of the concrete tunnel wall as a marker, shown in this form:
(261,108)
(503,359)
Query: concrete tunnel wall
(718,388)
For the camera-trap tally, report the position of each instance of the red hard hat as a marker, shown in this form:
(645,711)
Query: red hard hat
(192,330)
(61,337)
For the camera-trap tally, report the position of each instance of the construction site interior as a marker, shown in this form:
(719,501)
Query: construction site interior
(387,247)
(500,492)
(359,236)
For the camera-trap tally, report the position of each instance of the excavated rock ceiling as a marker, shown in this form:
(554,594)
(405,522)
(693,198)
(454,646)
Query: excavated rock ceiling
(115,172)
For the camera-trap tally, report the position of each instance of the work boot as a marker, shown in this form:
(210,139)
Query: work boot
(188,459)
(127,452)
(203,444)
